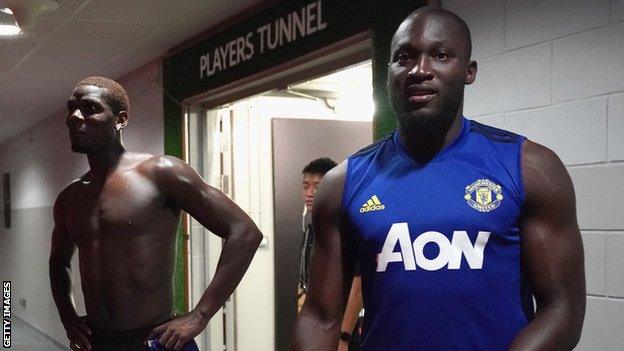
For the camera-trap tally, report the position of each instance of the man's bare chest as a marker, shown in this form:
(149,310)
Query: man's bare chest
(125,204)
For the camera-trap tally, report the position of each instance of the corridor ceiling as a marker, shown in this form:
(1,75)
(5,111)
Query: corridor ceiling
(93,37)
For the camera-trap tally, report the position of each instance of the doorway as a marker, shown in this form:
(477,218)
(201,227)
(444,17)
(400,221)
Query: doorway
(254,150)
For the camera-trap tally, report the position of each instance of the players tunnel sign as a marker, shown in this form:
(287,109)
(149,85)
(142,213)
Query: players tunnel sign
(270,36)
(279,34)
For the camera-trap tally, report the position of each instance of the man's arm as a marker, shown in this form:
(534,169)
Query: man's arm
(62,250)
(552,252)
(215,211)
(352,311)
(331,270)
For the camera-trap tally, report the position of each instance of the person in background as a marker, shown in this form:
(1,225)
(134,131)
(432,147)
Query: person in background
(312,174)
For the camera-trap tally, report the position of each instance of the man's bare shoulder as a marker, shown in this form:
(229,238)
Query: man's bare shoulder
(137,160)
(72,188)
(544,174)
(161,165)
(69,194)
(334,179)
(329,196)
(534,154)
(165,170)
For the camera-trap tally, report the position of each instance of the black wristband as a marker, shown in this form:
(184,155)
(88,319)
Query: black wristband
(344,336)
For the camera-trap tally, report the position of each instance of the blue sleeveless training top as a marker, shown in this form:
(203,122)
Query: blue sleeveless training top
(438,243)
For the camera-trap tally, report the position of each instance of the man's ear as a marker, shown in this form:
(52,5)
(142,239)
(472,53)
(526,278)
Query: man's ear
(471,72)
(121,120)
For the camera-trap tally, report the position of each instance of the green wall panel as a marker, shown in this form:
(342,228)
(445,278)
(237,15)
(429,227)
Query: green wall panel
(173,116)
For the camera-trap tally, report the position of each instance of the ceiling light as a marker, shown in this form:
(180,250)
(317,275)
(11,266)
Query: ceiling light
(8,25)
(26,12)
(8,29)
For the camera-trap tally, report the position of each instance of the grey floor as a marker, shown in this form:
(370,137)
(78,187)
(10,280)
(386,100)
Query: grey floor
(26,338)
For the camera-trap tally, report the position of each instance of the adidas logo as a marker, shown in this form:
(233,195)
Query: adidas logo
(373,204)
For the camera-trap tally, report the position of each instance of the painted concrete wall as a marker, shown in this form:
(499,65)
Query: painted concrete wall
(41,164)
(554,71)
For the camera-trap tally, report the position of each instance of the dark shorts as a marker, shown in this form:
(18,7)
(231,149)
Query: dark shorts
(122,340)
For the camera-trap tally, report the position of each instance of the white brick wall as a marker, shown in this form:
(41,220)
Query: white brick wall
(603,325)
(511,81)
(486,18)
(615,262)
(616,127)
(533,21)
(617,10)
(589,63)
(547,126)
(497,120)
(554,70)
(595,244)
(599,194)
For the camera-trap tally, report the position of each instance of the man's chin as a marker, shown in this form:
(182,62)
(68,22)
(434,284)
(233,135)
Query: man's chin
(421,115)
(426,122)
(80,149)
(422,112)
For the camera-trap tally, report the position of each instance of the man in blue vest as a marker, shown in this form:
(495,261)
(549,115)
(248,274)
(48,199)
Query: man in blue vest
(456,226)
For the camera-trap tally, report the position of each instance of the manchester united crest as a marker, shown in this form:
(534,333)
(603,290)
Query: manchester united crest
(484,195)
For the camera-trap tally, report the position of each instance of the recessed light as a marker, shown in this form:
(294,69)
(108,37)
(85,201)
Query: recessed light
(8,29)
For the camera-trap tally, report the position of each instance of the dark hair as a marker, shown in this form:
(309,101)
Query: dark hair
(116,96)
(319,166)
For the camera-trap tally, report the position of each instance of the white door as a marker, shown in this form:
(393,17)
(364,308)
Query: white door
(210,154)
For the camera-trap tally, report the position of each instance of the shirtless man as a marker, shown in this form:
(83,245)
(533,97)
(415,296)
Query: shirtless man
(122,216)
